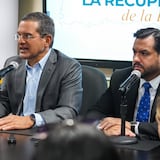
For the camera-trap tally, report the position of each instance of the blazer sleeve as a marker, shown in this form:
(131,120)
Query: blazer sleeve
(148,130)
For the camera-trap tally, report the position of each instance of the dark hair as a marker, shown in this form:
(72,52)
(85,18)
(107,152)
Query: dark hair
(75,141)
(46,24)
(145,32)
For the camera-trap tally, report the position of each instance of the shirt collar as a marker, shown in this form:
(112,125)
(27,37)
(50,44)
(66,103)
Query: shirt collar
(42,62)
(154,82)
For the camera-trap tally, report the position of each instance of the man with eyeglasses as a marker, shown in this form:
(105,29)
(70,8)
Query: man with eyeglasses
(47,85)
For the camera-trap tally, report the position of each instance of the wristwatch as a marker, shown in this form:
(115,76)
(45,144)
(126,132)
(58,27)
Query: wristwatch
(33,118)
(133,125)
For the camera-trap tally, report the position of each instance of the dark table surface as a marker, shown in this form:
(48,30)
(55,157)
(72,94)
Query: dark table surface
(129,154)
(25,146)
(22,150)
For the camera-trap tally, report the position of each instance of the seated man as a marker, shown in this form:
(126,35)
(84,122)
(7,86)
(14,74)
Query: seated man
(47,85)
(146,59)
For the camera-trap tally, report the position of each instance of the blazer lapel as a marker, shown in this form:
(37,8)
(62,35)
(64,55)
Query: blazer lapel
(153,111)
(20,76)
(45,77)
(19,82)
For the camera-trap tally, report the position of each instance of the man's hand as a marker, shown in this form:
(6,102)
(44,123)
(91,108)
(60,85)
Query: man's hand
(11,122)
(112,126)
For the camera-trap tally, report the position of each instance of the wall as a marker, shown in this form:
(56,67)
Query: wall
(8,27)
(10,13)
(26,6)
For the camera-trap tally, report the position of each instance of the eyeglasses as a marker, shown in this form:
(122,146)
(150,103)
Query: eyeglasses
(25,36)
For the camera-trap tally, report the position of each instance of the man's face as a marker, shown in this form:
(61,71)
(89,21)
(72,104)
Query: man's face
(145,58)
(31,45)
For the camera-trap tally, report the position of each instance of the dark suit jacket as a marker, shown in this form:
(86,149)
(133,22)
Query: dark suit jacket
(109,103)
(59,92)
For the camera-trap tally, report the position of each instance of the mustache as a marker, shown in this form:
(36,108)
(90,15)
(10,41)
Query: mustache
(137,64)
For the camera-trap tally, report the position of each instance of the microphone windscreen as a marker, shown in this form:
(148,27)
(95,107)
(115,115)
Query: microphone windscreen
(137,73)
(14,64)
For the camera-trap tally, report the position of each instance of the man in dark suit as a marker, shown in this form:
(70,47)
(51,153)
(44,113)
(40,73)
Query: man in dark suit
(47,85)
(146,59)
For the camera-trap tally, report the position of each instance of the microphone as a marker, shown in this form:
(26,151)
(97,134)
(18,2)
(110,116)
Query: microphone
(130,81)
(124,88)
(13,65)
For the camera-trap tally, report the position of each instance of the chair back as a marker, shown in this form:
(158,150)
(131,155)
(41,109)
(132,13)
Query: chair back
(94,84)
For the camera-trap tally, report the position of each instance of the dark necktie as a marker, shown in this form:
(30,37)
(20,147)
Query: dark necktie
(144,105)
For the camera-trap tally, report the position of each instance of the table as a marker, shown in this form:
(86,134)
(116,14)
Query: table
(128,154)
(25,146)
(22,150)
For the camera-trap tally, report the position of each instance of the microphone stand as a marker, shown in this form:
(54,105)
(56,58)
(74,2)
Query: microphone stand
(122,139)
(123,112)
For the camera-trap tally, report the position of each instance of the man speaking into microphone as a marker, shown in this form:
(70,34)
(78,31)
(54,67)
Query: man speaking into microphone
(141,91)
(47,85)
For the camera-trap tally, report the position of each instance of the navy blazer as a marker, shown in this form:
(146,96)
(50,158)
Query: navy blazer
(109,103)
(59,94)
